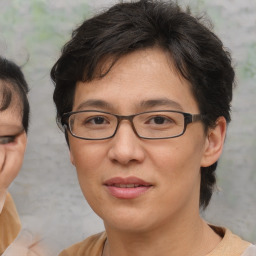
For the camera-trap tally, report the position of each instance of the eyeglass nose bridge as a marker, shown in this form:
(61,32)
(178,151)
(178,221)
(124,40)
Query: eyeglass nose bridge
(128,118)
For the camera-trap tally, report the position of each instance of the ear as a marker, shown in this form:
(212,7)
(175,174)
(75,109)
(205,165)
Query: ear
(214,142)
(72,160)
(71,157)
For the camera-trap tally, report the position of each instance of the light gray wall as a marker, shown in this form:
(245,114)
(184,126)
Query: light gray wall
(46,191)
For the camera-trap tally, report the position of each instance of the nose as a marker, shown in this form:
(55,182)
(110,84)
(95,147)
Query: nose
(126,147)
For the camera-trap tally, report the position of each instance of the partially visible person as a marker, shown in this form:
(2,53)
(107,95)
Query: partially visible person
(14,121)
(143,94)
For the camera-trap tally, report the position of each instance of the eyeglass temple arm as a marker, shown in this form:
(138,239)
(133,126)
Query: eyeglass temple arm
(197,117)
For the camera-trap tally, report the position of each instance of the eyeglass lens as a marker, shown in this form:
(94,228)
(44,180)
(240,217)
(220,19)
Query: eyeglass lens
(100,125)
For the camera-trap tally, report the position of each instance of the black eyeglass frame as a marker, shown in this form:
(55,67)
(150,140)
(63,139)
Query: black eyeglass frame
(188,118)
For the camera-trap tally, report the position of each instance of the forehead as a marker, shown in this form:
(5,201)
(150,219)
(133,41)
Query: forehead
(10,103)
(138,77)
(9,97)
(10,121)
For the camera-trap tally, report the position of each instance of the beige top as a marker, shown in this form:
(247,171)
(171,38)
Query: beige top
(9,223)
(231,245)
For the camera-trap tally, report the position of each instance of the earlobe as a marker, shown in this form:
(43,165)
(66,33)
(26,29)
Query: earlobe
(214,142)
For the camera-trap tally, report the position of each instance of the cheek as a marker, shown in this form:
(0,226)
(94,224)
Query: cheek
(88,158)
(179,155)
(178,163)
(85,154)
(178,176)
(90,163)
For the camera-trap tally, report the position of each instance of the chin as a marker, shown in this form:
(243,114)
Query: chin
(128,220)
(128,226)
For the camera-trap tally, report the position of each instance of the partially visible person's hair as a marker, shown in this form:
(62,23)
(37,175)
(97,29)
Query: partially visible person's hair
(197,53)
(14,89)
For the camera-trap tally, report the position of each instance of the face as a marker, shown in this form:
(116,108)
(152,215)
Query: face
(12,146)
(167,171)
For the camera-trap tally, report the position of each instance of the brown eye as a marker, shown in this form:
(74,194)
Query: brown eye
(6,139)
(97,120)
(159,120)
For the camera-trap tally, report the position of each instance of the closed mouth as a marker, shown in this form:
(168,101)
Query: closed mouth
(127,185)
(126,182)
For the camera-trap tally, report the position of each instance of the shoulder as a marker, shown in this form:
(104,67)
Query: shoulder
(92,246)
(230,244)
(9,203)
(9,213)
(9,223)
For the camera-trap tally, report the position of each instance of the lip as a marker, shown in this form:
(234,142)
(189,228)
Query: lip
(127,188)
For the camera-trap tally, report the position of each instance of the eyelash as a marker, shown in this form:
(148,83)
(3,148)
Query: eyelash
(6,139)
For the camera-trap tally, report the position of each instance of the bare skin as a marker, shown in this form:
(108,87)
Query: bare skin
(199,242)
(165,219)
(13,141)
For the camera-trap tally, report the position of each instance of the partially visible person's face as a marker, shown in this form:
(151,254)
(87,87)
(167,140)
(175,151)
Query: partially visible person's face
(167,171)
(12,145)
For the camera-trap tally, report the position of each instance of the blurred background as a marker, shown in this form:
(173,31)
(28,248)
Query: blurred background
(46,191)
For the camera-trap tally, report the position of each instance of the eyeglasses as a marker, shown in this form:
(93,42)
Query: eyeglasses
(99,125)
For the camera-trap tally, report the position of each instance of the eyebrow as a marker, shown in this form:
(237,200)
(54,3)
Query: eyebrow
(8,129)
(161,102)
(94,104)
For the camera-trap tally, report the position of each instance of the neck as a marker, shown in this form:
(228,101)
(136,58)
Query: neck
(191,238)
